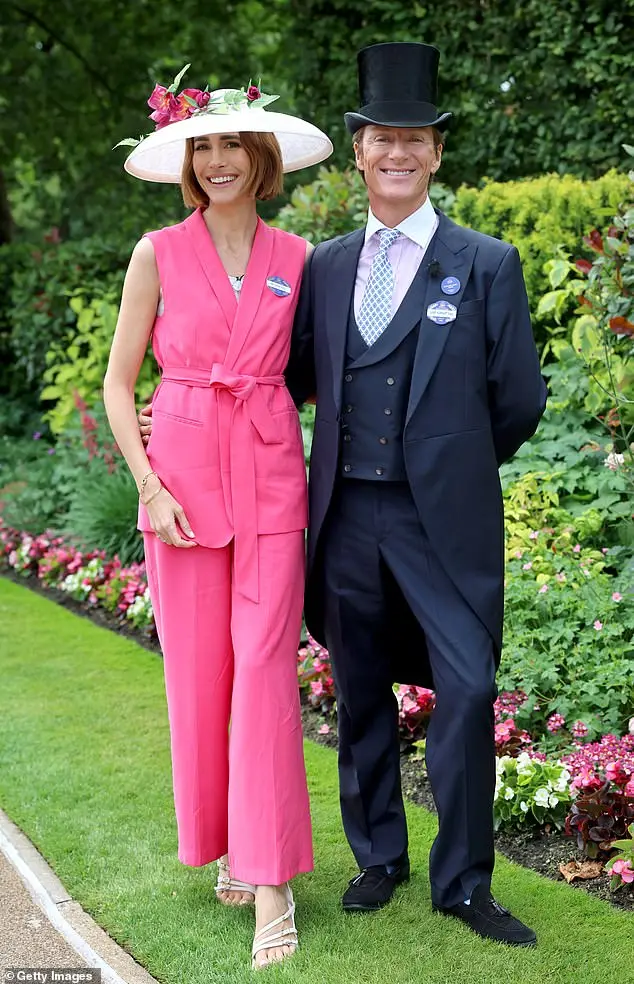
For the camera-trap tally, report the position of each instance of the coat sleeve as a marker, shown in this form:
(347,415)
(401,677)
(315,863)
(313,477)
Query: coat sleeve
(517,392)
(300,371)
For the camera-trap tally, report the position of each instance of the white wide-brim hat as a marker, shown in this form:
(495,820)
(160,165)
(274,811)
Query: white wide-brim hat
(160,156)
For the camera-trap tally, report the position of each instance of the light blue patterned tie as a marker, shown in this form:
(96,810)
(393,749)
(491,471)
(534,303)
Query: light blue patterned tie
(375,313)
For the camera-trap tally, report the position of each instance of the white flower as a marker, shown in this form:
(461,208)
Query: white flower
(541,797)
(614,461)
(630,726)
(561,786)
(553,801)
(525,764)
(524,806)
(509,793)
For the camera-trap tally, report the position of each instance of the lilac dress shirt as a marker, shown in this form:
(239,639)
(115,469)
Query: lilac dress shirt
(405,255)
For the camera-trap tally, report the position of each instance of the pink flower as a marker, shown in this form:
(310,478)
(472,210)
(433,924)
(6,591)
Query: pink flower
(253,93)
(544,588)
(629,789)
(577,548)
(325,729)
(616,596)
(624,870)
(528,566)
(561,577)
(555,723)
(317,688)
(579,729)
(159,98)
(200,98)
(519,554)
(598,625)
(618,773)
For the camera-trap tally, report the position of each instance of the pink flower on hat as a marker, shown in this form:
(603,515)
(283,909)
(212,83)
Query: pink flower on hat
(200,98)
(159,99)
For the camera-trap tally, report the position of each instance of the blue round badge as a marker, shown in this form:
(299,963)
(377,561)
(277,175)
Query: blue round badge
(280,287)
(450,285)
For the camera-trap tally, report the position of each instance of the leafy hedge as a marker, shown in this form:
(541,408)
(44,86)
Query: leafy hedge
(536,86)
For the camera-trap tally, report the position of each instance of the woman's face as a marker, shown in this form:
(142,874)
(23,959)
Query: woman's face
(222,167)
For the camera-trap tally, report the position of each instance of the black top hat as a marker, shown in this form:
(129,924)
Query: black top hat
(398,86)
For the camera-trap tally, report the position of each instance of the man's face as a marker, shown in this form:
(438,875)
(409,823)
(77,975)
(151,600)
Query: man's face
(397,163)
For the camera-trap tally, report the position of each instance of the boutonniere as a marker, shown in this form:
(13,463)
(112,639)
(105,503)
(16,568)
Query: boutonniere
(435,269)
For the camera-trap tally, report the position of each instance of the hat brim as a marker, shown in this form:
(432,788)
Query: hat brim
(160,156)
(397,114)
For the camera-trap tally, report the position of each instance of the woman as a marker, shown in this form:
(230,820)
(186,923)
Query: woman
(222,488)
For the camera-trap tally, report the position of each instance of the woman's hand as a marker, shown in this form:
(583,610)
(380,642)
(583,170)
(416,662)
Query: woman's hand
(167,517)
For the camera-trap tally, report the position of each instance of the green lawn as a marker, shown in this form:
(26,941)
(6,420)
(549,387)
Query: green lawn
(84,771)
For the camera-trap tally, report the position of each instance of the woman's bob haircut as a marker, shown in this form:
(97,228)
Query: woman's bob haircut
(267,172)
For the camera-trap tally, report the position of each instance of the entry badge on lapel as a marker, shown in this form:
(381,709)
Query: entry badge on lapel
(280,287)
(442,312)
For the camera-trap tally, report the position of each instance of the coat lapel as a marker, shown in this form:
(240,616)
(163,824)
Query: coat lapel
(209,260)
(252,288)
(454,256)
(339,289)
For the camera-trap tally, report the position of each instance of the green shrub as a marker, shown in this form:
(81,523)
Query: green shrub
(538,216)
(39,281)
(76,365)
(103,510)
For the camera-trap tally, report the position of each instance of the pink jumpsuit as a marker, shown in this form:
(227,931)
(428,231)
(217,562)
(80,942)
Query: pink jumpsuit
(226,441)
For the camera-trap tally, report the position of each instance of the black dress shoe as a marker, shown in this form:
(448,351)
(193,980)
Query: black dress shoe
(373,888)
(489,919)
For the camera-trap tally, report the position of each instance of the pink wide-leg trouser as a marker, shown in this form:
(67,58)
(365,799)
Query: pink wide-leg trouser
(233,704)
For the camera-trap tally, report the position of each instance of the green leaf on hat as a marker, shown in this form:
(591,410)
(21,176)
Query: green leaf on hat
(177,81)
(262,102)
(128,142)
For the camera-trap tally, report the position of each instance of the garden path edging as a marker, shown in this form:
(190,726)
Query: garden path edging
(69,922)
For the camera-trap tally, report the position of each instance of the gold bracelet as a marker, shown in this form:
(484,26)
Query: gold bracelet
(144,481)
(146,502)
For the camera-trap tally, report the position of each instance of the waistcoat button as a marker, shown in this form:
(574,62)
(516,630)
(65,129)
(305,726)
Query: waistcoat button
(348,377)
(387,412)
(348,409)
(347,468)
(390,380)
(347,438)
(379,471)
(383,440)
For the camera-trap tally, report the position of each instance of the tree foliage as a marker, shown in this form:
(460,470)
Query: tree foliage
(535,85)
(74,79)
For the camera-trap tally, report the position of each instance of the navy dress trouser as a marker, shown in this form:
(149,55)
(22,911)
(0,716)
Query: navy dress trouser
(375,550)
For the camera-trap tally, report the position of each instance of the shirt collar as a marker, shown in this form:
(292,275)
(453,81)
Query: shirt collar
(418,226)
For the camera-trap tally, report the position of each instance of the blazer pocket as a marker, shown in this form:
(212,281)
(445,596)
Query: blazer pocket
(470,307)
(179,420)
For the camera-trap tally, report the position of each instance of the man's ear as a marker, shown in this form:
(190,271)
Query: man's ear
(358,155)
(438,160)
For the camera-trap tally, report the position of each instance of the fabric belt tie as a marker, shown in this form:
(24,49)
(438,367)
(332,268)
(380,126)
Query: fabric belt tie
(249,412)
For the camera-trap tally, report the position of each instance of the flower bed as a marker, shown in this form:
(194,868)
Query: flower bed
(587,789)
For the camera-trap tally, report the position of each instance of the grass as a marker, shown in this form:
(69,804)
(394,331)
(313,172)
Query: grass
(84,771)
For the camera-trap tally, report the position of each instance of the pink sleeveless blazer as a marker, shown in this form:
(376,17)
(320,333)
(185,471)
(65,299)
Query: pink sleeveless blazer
(226,439)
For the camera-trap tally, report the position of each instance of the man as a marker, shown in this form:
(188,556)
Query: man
(414,334)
